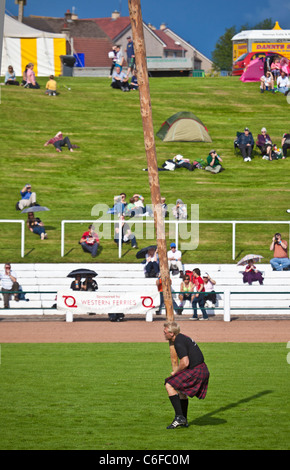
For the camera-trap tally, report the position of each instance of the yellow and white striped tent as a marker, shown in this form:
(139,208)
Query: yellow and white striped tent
(23,44)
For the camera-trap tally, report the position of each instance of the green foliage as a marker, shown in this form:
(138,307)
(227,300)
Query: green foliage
(107,126)
(112,397)
(223,53)
(268,23)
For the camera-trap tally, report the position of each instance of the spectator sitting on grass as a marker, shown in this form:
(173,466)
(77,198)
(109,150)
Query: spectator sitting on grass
(90,241)
(28,198)
(267,82)
(51,86)
(126,234)
(120,80)
(214,162)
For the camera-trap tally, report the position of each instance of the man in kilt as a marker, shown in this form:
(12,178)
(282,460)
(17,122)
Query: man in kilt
(190,377)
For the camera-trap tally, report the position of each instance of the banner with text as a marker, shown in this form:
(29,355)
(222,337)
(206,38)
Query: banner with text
(107,302)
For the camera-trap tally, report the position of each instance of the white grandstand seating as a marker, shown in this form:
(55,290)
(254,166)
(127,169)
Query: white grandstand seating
(42,281)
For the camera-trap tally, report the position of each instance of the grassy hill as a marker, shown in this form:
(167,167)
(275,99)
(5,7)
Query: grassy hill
(106,125)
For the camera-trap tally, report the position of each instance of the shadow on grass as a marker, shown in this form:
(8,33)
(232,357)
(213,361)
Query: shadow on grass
(210,420)
(29,252)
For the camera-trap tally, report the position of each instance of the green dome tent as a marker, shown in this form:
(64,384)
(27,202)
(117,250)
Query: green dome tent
(183,127)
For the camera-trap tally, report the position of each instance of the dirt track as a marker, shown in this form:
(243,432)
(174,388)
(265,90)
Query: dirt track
(88,331)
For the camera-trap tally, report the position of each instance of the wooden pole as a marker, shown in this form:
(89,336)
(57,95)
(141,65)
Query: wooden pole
(146,114)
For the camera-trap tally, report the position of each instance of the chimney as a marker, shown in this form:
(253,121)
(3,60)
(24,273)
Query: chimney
(74,16)
(21,4)
(68,16)
(115,15)
(163,27)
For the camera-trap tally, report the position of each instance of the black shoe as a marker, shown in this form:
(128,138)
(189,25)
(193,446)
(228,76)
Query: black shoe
(179,310)
(179,421)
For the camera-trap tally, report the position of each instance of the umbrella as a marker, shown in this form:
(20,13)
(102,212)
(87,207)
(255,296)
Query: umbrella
(34,209)
(247,258)
(82,272)
(142,253)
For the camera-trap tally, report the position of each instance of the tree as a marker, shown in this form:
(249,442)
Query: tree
(222,55)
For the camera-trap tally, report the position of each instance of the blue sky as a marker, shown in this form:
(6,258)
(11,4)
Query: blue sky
(200,23)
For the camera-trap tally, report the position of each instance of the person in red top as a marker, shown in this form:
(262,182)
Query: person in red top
(90,241)
(198,297)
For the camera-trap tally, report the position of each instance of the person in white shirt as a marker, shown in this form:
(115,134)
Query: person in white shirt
(174,259)
(9,284)
(283,83)
(210,296)
(267,82)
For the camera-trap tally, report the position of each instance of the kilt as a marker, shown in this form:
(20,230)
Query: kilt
(191,382)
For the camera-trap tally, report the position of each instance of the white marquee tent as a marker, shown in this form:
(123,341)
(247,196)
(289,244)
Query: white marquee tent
(23,44)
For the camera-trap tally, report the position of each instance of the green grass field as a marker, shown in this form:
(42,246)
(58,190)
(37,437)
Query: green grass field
(106,124)
(111,397)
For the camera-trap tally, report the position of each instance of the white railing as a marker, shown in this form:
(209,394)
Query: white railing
(234,223)
(22,241)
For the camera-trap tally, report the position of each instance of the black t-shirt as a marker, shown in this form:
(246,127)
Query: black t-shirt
(185,346)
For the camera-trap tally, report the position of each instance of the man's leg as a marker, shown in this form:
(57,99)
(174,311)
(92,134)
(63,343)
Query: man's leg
(180,419)
(194,307)
(68,143)
(27,202)
(285,263)
(86,247)
(94,249)
(275,263)
(6,296)
(285,148)
(201,303)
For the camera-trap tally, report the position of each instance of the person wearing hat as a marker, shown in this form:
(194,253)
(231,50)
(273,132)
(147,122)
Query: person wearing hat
(246,144)
(174,259)
(179,210)
(214,162)
(283,83)
(28,198)
(130,54)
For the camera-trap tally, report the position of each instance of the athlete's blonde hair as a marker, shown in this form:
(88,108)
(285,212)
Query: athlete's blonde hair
(173,327)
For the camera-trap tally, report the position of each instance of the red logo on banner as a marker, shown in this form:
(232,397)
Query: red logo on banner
(144,299)
(66,297)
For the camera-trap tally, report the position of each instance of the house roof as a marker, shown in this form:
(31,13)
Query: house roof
(168,41)
(77,28)
(113,28)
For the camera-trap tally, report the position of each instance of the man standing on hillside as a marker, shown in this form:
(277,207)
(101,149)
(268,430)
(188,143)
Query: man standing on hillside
(130,54)
(189,379)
